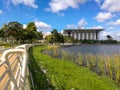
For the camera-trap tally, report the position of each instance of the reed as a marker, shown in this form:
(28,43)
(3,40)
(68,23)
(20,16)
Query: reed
(104,65)
(79,59)
(55,52)
(110,66)
(92,61)
(64,75)
(65,55)
(117,67)
(100,64)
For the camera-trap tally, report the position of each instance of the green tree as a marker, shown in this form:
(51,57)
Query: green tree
(12,31)
(109,37)
(2,35)
(68,39)
(55,37)
(50,39)
(30,31)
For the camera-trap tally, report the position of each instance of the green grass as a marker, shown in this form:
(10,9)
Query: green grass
(64,75)
(5,45)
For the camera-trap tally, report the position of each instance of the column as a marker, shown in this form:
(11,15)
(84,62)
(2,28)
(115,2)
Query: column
(79,36)
(82,35)
(71,34)
(74,35)
(89,36)
(98,35)
(86,35)
(94,35)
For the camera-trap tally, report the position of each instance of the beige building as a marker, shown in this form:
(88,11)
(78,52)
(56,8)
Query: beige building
(81,34)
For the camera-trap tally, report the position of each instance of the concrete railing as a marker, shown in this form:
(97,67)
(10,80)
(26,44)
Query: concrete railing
(13,68)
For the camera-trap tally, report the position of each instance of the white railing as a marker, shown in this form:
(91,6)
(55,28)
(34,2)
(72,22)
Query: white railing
(13,68)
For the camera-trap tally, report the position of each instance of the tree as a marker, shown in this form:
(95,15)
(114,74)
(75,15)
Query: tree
(12,31)
(2,35)
(68,39)
(50,39)
(55,37)
(31,29)
(109,37)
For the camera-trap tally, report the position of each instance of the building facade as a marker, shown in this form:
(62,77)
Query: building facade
(82,34)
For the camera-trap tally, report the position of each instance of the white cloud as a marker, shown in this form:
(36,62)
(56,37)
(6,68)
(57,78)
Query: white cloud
(111,28)
(71,26)
(42,26)
(59,5)
(30,3)
(102,16)
(98,2)
(114,35)
(97,27)
(103,35)
(1,11)
(114,23)
(111,5)
(82,22)
(24,26)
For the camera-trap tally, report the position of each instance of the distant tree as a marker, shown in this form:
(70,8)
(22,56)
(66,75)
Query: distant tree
(30,31)
(109,37)
(38,36)
(50,39)
(55,37)
(68,39)
(2,35)
(31,26)
(12,31)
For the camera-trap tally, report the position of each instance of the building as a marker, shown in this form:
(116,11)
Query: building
(81,34)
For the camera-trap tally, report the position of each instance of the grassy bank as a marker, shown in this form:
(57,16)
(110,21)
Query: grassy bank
(102,64)
(63,75)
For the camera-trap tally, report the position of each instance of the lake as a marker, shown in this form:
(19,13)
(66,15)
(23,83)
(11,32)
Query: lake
(94,49)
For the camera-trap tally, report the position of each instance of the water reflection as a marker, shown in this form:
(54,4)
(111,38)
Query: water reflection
(94,49)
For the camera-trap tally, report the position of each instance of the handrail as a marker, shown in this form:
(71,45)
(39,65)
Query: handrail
(14,68)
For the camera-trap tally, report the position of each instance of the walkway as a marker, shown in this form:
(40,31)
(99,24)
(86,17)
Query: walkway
(13,68)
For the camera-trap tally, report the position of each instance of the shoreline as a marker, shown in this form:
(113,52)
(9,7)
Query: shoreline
(77,44)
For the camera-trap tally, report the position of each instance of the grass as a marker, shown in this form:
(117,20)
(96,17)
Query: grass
(5,45)
(56,74)
(102,64)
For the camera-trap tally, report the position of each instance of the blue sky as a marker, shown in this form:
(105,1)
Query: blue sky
(62,14)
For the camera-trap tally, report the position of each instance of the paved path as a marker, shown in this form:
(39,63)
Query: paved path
(3,68)
(14,60)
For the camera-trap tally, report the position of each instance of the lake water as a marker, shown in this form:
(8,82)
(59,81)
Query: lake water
(88,49)
(94,49)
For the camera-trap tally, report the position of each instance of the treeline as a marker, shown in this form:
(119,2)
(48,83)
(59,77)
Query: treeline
(56,38)
(14,33)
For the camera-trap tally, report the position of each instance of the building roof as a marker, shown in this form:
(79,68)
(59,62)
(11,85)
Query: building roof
(83,29)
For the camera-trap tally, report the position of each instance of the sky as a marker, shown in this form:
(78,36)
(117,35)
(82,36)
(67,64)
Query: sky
(64,14)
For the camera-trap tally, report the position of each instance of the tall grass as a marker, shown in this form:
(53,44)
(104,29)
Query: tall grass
(101,64)
(64,75)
